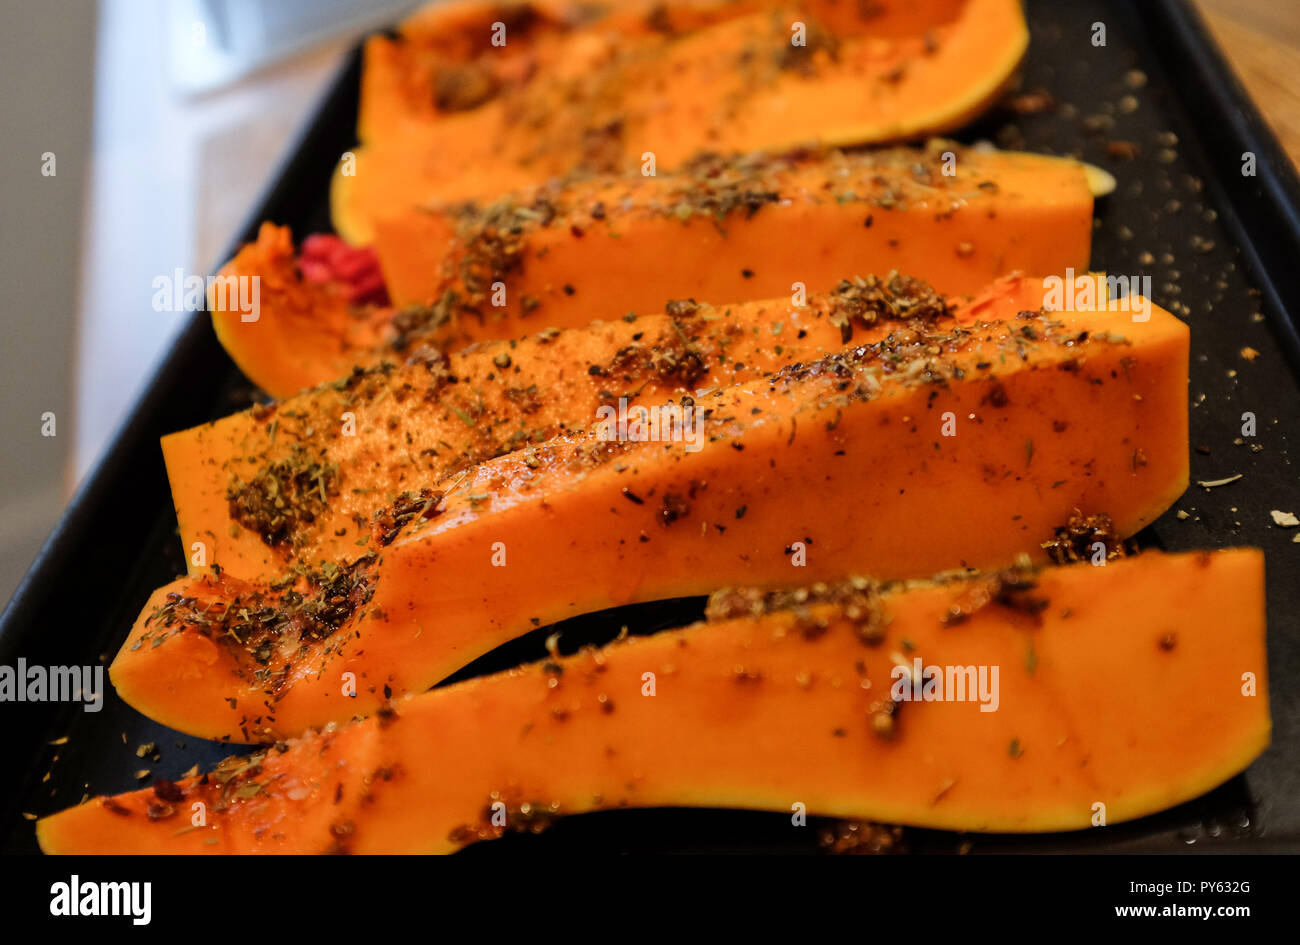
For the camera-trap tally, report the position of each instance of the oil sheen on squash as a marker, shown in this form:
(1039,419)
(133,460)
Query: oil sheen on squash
(301,480)
(1119,691)
(737,228)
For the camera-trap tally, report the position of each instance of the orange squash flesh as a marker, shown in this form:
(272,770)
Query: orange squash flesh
(902,71)
(443,61)
(305,332)
(827,468)
(722,230)
(742,228)
(1121,690)
(410,426)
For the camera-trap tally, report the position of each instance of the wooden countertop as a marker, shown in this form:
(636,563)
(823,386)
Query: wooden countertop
(1261,39)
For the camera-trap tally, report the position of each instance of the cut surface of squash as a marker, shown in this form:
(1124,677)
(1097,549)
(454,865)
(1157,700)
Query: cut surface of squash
(911,452)
(304,331)
(299,481)
(607,101)
(1119,691)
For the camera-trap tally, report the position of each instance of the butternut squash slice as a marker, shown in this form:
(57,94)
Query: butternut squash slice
(829,467)
(728,229)
(888,71)
(299,481)
(1119,691)
(721,230)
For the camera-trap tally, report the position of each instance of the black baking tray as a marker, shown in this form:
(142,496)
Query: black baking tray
(1221,243)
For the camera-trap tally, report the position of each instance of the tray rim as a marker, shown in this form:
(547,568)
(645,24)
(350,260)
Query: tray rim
(1211,79)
